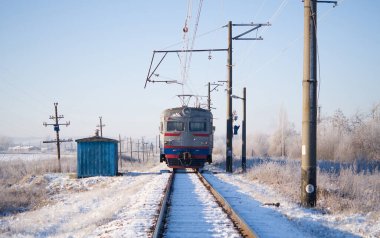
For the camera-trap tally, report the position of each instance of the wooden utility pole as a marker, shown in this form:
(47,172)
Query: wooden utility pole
(131,143)
(120,158)
(142,148)
(101,125)
(56,125)
(138,150)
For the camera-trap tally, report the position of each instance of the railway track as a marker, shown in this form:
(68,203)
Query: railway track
(191,207)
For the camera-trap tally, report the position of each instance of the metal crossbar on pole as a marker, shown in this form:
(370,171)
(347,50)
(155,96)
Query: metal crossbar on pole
(165,52)
(229,151)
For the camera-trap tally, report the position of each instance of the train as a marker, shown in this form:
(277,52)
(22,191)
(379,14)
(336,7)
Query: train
(186,137)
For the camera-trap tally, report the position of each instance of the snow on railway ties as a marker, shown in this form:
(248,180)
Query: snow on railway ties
(195,209)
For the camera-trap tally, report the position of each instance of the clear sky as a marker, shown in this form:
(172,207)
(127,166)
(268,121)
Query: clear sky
(92,57)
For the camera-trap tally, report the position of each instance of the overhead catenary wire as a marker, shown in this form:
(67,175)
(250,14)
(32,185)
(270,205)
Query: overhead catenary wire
(185,46)
(271,20)
(319,77)
(186,59)
(197,37)
(290,44)
(195,32)
(259,9)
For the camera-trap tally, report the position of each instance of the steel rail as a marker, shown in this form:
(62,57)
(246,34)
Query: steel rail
(158,229)
(235,217)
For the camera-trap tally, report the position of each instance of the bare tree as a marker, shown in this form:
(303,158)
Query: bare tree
(5,143)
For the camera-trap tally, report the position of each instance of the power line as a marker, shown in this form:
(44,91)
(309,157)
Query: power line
(199,36)
(290,44)
(272,19)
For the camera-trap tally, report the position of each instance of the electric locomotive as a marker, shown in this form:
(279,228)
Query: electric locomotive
(186,137)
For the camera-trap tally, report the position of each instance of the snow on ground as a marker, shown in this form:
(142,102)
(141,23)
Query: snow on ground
(126,206)
(249,196)
(121,206)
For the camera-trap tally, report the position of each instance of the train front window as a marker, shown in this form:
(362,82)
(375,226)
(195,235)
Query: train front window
(197,126)
(174,126)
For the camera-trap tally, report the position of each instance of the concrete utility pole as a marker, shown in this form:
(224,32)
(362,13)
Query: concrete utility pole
(229,102)
(309,105)
(309,108)
(101,125)
(244,132)
(229,152)
(215,86)
(209,97)
(56,129)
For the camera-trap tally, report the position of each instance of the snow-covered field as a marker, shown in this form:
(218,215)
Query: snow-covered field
(32,156)
(122,206)
(126,206)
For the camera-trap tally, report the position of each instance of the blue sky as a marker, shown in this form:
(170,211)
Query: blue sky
(92,57)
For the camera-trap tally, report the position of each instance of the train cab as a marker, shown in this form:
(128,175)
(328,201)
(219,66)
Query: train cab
(186,137)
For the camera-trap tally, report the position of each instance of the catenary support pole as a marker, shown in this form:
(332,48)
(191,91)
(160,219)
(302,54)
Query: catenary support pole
(209,97)
(309,107)
(244,135)
(229,152)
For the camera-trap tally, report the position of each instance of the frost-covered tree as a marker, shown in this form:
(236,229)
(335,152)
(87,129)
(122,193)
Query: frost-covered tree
(333,139)
(5,143)
(285,141)
(366,136)
(347,139)
(260,144)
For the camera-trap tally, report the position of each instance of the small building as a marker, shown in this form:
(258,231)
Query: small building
(97,156)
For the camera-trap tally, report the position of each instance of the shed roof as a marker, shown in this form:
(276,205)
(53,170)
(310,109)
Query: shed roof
(96,139)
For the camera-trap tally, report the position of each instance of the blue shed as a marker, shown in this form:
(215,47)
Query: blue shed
(96,156)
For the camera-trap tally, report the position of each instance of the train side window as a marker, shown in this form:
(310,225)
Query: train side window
(174,126)
(197,126)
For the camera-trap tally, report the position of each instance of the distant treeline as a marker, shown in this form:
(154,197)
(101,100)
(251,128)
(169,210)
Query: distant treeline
(340,138)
